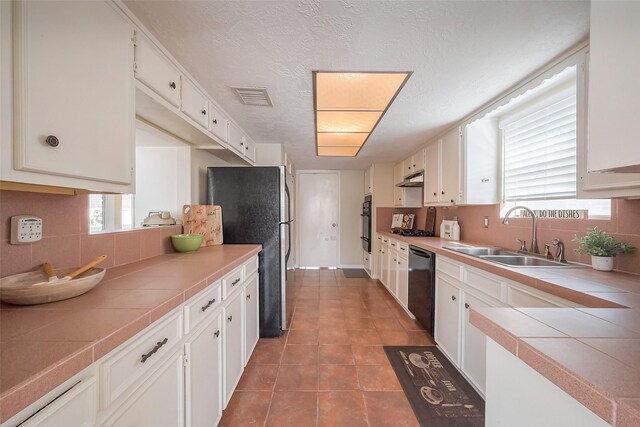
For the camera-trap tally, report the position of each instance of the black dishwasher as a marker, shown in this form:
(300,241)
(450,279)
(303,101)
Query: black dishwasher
(422,285)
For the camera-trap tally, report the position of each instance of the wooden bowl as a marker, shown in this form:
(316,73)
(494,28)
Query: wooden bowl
(18,289)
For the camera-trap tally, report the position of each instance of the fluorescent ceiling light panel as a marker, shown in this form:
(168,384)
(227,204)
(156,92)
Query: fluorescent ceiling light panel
(341,139)
(338,151)
(349,106)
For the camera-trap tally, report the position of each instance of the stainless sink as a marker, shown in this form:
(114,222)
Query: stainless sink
(468,250)
(527,261)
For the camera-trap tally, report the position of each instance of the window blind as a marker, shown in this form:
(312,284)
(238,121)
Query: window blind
(540,152)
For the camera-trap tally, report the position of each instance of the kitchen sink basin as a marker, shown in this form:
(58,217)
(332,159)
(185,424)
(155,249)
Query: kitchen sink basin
(526,261)
(467,250)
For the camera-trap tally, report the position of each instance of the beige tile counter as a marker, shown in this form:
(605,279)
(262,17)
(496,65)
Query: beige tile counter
(591,353)
(41,346)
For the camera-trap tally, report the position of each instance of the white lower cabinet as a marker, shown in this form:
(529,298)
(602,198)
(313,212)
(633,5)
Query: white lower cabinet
(233,344)
(252,321)
(393,272)
(203,375)
(75,407)
(447,318)
(474,344)
(158,401)
(403,280)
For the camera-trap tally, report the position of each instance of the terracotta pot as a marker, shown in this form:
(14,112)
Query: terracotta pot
(602,263)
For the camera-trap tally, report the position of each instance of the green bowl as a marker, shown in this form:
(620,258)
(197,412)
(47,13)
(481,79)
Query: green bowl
(186,242)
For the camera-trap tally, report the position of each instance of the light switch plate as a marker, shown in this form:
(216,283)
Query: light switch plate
(25,229)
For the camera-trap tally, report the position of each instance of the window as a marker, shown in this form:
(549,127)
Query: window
(539,148)
(110,212)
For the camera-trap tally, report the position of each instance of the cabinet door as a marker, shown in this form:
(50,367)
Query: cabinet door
(398,196)
(447,318)
(407,167)
(194,104)
(432,173)
(251,308)
(74,112)
(384,278)
(393,272)
(398,173)
(236,137)
(474,344)
(450,167)
(368,180)
(250,149)
(481,162)
(418,161)
(203,375)
(614,93)
(233,339)
(158,401)
(155,71)
(403,280)
(378,258)
(217,122)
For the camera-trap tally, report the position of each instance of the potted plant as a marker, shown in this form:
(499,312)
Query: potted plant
(602,247)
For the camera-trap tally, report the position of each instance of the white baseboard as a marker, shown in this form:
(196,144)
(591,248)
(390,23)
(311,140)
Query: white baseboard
(351,266)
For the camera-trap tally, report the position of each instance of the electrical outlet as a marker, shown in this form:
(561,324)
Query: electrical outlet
(486,222)
(25,229)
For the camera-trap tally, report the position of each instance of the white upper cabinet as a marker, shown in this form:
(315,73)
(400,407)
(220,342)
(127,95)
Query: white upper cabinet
(73,105)
(368,180)
(450,167)
(414,164)
(236,137)
(194,103)
(432,174)
(217,122)
(480,162)
(249,149)
(155,71)
(614,91)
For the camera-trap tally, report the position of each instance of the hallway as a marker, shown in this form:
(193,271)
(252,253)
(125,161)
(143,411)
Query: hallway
(329,368)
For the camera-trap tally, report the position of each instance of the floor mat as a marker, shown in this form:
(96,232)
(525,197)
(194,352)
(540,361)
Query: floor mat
(439,395)
(355,273)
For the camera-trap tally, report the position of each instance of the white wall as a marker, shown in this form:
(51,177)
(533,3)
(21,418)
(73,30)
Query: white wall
(351,199)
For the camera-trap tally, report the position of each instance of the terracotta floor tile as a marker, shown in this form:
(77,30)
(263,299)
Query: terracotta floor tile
(293,409)
(392,324)
(359,323)
(304,322)
(300,354)
(394,337)
(419,338)
(332,323)
(267,354)
(365,337)
(409,324)
(246,408)
(341,409)
(258,378)
(389,409)
(335,355)
(338,377)
(297,377)
(334,336)
(369,355)
(303,336)
(378,378)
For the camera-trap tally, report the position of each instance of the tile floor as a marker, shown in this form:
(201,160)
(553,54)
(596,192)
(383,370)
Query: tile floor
(329,369)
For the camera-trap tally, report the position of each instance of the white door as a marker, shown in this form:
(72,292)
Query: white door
(474,344)
(233,339)
(450,167)
(447,318)
(318,219)
(403,280)
(432,173)
(393,272)
(203,375)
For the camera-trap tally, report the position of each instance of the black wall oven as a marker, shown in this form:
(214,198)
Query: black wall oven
(366,224)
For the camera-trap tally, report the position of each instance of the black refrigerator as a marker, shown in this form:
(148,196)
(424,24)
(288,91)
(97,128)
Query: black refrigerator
(256,209)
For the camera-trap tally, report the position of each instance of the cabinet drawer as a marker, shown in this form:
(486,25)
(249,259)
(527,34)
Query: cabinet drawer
(194,104)
(403,248)
(217,122)
(157,72)
(77,406)
(449,268)
(122,369)
(201,306)
(251,267)
(483,283)
(393,243)
(232,282)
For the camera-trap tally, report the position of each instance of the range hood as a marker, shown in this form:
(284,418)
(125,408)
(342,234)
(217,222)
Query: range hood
(415,180)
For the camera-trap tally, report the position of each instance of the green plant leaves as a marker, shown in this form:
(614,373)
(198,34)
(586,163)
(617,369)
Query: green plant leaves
(600,243)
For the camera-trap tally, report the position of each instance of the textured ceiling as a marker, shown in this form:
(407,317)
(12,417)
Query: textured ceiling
(462,53)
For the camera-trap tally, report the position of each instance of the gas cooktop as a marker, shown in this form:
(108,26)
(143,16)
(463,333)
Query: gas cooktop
(413,233)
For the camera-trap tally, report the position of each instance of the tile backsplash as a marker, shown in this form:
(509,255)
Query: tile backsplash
(66,241)
(623,225)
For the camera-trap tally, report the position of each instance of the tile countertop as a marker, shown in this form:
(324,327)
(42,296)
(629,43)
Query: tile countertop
(591,353)
(41,346)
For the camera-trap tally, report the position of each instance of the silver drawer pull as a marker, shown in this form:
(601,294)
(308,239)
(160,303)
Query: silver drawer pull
(235,282)
(159,344)
(207,305)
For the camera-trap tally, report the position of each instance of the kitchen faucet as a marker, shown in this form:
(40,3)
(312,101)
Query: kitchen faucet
(534,240)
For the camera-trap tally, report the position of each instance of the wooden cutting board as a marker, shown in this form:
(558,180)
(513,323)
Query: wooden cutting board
(205,220)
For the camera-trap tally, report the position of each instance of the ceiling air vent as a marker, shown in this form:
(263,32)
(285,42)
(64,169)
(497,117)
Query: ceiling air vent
(253,95)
